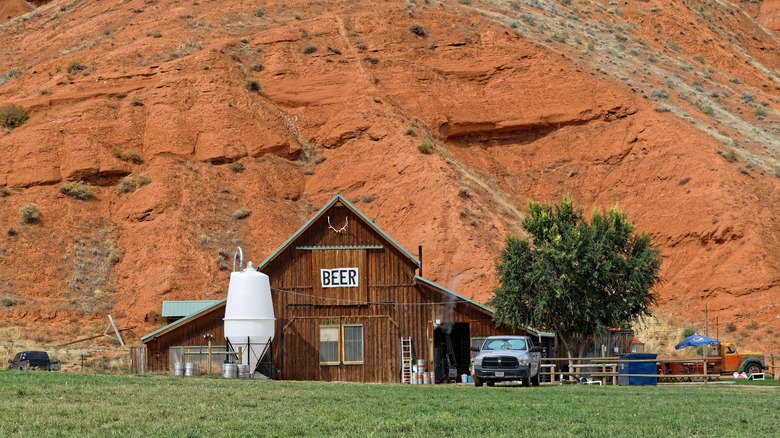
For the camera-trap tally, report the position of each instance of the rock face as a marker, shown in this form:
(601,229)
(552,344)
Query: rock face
(671,112)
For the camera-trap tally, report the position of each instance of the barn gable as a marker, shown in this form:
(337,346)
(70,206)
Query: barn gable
(339,223)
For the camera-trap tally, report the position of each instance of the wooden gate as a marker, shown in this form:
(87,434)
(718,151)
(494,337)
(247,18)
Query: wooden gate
(138,359)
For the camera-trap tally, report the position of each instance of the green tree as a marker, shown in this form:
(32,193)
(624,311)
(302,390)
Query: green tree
(574,277)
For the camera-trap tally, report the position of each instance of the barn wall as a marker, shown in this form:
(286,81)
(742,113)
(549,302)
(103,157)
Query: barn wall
(187,334)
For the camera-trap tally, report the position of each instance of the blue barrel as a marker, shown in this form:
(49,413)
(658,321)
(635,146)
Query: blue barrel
(625,367)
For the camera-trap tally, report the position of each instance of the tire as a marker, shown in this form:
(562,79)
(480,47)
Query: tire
(535,380)
(752,368)
(491,383)
(527,379)
(477,381)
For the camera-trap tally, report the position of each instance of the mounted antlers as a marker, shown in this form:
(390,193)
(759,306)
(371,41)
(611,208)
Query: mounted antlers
(342,229)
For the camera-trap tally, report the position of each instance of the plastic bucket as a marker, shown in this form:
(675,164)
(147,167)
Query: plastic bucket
(190,369)
(178,369)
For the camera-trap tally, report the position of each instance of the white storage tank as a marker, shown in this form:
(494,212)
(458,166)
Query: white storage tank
(249,313)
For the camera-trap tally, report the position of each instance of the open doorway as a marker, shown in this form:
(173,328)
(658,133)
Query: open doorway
(451,351)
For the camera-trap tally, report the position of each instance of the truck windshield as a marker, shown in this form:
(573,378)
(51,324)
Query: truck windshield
(504,344)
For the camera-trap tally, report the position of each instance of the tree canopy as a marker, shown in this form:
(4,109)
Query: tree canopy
(574,277)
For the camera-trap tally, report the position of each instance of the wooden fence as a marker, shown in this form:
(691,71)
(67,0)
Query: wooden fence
(605,369)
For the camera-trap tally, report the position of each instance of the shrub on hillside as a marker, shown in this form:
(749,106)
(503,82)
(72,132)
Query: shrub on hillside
(8,301)
(236,166)
(76,66)
(143,180)
(126,185)
(425,147)
(252,84)
(417,29)
(77,189)
(30,214)
(12,116)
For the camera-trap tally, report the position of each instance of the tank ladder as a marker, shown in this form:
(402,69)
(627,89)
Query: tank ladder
(406,360)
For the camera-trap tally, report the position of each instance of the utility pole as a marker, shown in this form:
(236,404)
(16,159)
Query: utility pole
(706,321)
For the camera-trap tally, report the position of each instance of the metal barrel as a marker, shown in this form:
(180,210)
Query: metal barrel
(229,370)
(178,369)
(432,377)
(422,375)
(190,369)
(243,371)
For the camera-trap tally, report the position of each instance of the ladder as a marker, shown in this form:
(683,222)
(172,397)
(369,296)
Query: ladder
(452,365)
(406,360)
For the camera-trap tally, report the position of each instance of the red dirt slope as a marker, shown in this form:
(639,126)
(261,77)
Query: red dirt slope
(670,110)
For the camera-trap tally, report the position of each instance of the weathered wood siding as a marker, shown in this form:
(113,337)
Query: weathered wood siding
(187,334)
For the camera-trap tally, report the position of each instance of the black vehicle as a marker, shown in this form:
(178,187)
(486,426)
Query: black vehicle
(33,360)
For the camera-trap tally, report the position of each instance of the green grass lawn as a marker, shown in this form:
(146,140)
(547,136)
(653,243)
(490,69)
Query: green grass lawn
(72,404)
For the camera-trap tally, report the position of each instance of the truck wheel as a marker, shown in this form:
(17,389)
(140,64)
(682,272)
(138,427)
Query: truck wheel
(477,381)
(527,379)
(535,380)
(491,383)
(752,368)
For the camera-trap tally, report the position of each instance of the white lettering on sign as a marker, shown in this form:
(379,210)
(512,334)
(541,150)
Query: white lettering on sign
(339,277)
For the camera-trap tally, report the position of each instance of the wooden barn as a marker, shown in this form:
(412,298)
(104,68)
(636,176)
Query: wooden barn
(344,295)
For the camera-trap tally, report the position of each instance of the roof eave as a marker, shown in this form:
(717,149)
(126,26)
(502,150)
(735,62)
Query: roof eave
(171,326)
(481,306)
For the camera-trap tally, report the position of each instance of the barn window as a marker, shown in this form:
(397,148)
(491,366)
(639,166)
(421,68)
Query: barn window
(341,344)
(353,344)
(329,345)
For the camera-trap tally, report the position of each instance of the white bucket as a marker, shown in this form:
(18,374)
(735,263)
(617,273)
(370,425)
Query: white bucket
(464,378)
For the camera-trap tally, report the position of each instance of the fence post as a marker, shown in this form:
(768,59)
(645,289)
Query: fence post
(603,363)
(705,371)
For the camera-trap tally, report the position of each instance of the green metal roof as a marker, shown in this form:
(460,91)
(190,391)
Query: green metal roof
(482,306)
(337,198)
(183,320)
(172,309)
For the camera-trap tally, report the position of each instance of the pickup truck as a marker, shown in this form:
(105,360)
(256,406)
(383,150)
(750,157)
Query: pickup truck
(731,360)
(33,360)
(721,359)
(504,358)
